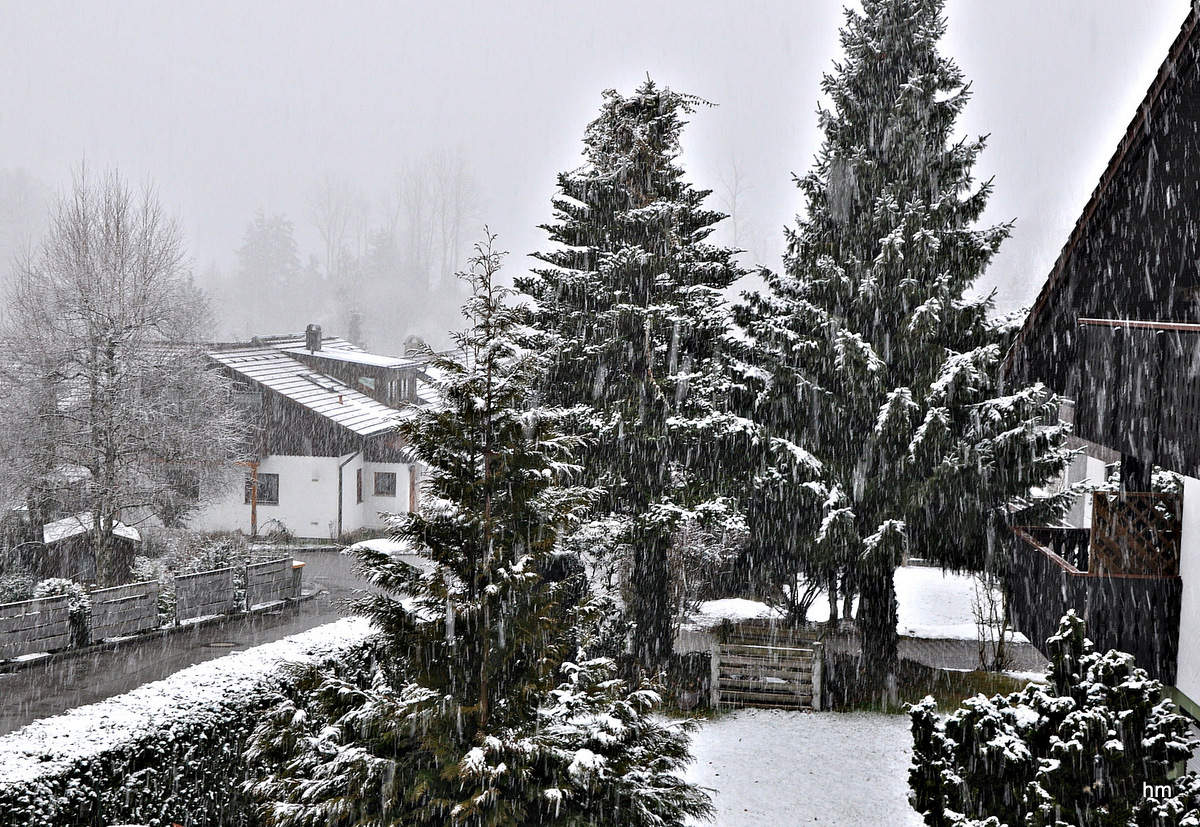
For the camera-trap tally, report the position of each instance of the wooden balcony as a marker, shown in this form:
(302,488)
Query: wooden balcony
(1121,577)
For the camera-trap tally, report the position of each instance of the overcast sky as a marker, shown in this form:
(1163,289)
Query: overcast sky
(240,106)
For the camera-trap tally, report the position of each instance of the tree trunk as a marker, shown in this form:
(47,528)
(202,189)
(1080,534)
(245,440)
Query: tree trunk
(650,606)
(833,601)
(877,626)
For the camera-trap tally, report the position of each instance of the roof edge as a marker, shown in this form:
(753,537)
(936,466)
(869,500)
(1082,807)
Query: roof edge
(1135,133)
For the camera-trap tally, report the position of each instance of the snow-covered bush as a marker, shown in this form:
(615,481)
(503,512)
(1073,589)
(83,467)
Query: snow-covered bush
(1084,750)
(148,568)
(79,605)
(167,752)
(16,585)
(186,552)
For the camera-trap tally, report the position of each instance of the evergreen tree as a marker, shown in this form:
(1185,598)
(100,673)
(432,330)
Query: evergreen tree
(632,291)
(472,716)
(1084,750)
(878,363)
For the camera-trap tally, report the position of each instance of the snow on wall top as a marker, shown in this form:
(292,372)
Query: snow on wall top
(318,392)
(50,746)
(79,524)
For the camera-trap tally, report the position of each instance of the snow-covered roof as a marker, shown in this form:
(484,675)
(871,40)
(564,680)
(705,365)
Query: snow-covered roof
(356,357)
(322,394)
(79,524)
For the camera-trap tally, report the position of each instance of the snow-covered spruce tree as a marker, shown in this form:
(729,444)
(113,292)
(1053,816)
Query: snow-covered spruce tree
(878,363)
(1084,750)
(631,289)
(471,716)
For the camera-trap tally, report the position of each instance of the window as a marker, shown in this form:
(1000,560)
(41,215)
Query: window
(358,479)
(268,489)
(385,484)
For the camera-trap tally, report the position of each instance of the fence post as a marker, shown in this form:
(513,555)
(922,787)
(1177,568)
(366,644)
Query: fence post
(714,686)
(818,674)
(297,579)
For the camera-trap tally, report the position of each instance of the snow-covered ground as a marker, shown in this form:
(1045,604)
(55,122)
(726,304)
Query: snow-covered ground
(397,549)
(772,767)
(932,604)
(712,612)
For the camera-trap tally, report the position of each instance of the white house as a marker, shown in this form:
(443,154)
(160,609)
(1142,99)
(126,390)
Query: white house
(326,460)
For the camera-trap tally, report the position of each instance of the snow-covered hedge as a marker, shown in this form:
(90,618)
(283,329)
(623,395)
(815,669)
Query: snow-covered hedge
(166,752)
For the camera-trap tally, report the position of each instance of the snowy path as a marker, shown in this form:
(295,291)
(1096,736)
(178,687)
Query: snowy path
(771,767)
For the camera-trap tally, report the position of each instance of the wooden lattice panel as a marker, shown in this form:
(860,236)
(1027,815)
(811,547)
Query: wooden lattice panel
(1135,533)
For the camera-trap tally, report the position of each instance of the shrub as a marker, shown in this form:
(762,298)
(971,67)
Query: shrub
(79,605)
(170,751)
(1084,750)
(16,585)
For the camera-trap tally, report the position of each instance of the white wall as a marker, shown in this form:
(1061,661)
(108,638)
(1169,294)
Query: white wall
(1188,679)
(1097,472)
(308,498)
(368,513)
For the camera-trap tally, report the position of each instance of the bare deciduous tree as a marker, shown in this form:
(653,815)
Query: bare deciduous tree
(102,329)
(335,207)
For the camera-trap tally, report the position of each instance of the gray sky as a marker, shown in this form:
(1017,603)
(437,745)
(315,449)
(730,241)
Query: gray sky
(237,106)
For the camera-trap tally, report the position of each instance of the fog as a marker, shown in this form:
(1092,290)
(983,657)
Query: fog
(389,133)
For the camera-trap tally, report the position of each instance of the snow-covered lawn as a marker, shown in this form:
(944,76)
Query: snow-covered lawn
(771,767)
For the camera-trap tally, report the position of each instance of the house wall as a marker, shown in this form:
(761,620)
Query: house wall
(367,514)
(308,498)
(1188,677)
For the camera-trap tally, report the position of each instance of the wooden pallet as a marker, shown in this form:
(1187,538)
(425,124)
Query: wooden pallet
(753,671)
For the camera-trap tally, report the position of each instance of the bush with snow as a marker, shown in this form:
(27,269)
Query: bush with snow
(169,751)
(1083,750)
(79,604)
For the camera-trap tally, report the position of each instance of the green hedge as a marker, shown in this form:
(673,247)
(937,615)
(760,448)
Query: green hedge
(168,752)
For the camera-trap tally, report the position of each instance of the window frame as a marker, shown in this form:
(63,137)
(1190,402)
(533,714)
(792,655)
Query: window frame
(264,482)
(383,476)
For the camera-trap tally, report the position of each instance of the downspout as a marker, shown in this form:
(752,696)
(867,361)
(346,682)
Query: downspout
(342,465)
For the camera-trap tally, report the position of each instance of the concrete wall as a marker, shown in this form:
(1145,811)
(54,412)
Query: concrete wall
(308,498)
(1188,677)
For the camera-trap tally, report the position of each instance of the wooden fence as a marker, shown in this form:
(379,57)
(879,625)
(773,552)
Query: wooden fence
(123,610)
(39,625)
(269,582)
(767,666)
(206,593)
(43,624)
